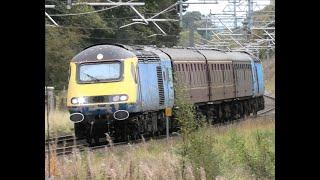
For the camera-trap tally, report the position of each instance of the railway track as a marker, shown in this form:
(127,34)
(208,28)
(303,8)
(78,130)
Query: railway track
(265,111)
(64,145)
(80,145)
(270,97)
(59,139)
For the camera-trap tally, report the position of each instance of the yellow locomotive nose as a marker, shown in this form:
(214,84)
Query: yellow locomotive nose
(91,83)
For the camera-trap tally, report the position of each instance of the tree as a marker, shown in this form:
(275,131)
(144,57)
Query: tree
(79,31)
(61,46)
(184,38)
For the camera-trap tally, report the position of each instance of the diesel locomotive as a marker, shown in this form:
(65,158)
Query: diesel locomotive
(128,91)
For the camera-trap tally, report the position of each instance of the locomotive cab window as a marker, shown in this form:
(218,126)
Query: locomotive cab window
(99,72)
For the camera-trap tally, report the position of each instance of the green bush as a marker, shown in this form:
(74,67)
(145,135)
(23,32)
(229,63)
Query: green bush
(257,156)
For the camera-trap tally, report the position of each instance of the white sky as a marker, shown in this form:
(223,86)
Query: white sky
(215,8)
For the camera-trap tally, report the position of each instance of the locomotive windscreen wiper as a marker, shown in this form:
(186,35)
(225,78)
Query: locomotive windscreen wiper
(94,78)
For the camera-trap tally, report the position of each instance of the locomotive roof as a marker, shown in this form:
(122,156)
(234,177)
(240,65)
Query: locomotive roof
(214,55)
(183,54)
(109,52)
(180,54)
(239,56)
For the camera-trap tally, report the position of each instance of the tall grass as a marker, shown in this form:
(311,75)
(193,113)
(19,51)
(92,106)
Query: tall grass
(237,151)
(243,150)
(59,123)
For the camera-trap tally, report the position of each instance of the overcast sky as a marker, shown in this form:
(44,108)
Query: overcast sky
(215,8)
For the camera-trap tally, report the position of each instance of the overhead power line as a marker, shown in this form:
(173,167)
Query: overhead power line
(84,13)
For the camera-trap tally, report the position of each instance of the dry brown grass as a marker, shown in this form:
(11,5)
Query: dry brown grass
(59,124)
(269,74)
(159,159)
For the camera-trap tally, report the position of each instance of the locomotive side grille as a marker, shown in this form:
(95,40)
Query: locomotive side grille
(160,86)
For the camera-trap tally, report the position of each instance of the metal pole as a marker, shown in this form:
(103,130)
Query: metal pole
(180,13)
(206,27)
(69,3)
(235,13)
(48,134)
(250,13)
(167,126)
(191,34)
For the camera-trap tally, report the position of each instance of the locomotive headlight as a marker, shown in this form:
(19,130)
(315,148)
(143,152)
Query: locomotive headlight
(115,98)
(79,100)
(123,98)
(74,101)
